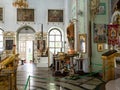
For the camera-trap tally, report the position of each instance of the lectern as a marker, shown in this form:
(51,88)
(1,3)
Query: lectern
(109,65)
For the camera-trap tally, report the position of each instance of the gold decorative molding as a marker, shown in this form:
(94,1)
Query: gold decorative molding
(39,35)
(9,34)
(94,5)
(20,3)
(109,66)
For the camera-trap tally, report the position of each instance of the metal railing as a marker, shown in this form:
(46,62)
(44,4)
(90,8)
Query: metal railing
(27,85)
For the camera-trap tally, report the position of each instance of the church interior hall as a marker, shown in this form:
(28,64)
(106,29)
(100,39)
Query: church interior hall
(59,44)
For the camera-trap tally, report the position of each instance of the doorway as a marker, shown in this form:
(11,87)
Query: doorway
(26,50)
(26,44)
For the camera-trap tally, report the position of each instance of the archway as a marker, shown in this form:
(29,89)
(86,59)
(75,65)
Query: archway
(55,40)
(25,43)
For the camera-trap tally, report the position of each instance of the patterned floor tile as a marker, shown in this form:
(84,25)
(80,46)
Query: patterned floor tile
(42,79)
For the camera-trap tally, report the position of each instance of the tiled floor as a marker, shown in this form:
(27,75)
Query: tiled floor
(42,79)
(114,84)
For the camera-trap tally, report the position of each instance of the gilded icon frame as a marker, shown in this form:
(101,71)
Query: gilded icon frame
(83,43)
(1,14)
(102,9)
(55,15)
(9,44)
(25,14)
(100,47)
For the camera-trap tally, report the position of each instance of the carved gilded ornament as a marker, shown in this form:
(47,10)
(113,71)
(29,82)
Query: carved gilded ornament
(94,5)
(39,34)
(9,34)
(115,19)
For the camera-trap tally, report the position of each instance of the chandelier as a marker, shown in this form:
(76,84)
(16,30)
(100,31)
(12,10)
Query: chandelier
(20,3)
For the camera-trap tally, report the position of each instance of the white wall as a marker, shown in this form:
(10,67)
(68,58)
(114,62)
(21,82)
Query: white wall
(41,6)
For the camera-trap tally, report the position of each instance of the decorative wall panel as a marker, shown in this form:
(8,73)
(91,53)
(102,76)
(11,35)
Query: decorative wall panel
(55,15)
(25,15)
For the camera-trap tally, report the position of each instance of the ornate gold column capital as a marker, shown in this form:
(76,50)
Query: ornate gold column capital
(94,5)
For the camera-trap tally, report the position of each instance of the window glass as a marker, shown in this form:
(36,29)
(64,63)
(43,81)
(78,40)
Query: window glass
(58,44)
(1,39)
(55,41)
(1,32)
(57,33)
(51,38)
(1,44)
(58,38)
(51,44)
(52,50)
(58,50)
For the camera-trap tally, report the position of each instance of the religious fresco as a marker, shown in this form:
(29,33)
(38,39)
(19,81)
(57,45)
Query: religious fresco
(100,32)
(55,15)
(25,15)
(1,14)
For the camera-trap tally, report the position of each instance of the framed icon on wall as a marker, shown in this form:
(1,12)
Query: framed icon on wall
(41,45)
(55,15)
(8,44)
(1,14)
(100,47)
(102,9)
(24,14)
(83,43)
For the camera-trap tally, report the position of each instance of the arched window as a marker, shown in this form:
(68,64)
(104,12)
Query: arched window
(55,40)
(1,39)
